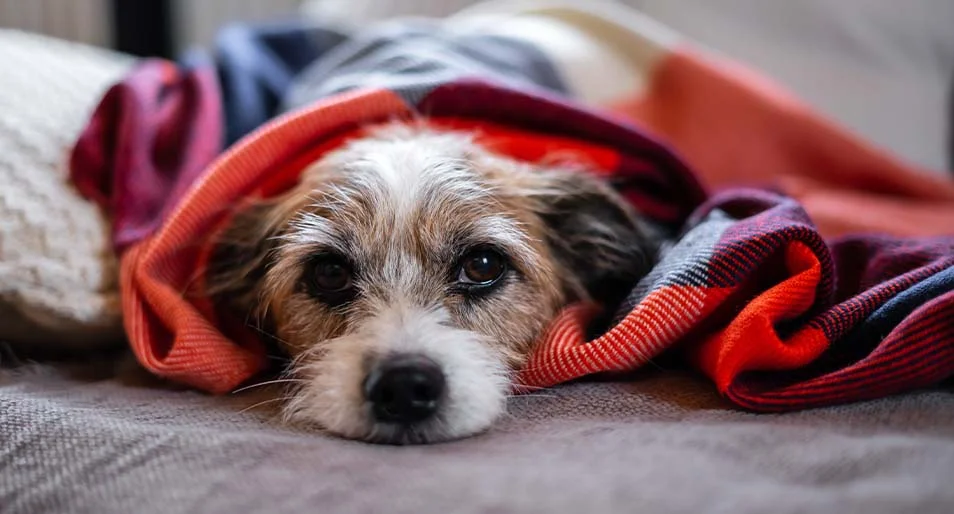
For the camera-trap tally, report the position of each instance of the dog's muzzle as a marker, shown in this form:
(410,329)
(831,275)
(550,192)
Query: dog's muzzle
(404,389)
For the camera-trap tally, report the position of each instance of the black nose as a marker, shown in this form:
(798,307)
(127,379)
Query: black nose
(404,389)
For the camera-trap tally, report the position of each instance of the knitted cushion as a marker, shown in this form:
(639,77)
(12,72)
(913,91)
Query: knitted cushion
(58,278)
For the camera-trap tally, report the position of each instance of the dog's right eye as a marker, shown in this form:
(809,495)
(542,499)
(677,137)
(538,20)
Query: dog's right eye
(480,269)
(329,277)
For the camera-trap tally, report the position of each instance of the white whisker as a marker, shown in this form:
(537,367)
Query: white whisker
(265,402)
(270,382)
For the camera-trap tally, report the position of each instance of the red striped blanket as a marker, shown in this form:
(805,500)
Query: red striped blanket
(752,292)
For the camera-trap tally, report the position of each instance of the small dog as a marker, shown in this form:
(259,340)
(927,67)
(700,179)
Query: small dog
(410,272)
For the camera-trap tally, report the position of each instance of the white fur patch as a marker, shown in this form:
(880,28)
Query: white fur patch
(477,382)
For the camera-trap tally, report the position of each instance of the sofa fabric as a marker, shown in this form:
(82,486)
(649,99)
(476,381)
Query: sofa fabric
(78,442)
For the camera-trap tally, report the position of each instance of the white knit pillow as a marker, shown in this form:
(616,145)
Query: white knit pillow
(58,275)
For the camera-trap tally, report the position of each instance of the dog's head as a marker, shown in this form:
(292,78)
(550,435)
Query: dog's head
(410,272)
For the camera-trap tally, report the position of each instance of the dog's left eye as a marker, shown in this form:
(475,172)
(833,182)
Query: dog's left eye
(330,274)
(481,268)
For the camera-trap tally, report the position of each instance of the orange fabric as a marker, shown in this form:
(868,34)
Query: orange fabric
(737,129)
(565,353)
(750,340)
(528,148)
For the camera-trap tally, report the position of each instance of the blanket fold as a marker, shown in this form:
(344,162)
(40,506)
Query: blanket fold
(779,320)
(832,326)
(148,141)
(754,291)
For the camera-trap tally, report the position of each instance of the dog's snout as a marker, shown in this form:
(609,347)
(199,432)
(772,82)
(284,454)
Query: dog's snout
(404,389)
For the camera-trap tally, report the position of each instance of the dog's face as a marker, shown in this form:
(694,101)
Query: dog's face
(410,272)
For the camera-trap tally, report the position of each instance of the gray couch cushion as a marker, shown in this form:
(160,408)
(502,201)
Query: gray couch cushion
(74,442)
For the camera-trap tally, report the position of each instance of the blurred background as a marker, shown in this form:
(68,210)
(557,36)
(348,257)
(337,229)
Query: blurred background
(882,68)
(164,27)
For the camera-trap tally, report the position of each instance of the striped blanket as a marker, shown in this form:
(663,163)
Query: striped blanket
(762,290)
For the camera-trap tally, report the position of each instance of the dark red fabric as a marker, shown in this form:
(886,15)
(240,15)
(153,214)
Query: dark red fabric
(150,138)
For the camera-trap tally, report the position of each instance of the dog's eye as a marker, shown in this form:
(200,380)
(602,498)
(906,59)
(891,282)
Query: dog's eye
(481,267)
(330,274)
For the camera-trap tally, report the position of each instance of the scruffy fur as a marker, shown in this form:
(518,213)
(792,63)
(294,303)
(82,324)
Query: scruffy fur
(402,205)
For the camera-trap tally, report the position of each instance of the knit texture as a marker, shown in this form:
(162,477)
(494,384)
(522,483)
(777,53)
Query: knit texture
(57,270)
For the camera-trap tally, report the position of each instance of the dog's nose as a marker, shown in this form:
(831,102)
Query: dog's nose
(404,389)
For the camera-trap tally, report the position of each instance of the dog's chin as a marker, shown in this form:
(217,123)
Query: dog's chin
(332,392)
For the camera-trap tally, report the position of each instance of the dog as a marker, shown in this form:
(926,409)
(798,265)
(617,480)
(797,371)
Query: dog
(410,272)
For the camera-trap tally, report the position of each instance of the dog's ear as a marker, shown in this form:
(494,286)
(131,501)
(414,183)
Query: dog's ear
(602,242)
(243,252)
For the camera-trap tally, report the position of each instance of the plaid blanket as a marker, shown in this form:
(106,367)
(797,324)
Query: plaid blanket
(750,292)
(778,319)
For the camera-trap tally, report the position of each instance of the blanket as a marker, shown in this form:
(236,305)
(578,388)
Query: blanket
(755,291)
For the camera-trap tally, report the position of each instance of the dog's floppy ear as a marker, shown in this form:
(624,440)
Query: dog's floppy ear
(243,251)
(595,234)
